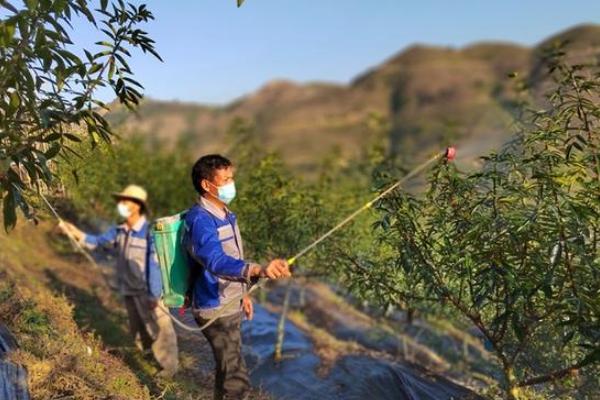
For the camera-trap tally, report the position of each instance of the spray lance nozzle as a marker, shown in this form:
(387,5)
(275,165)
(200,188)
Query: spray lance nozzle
(450,154)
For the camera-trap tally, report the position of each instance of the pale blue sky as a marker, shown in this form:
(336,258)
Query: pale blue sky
(215,52)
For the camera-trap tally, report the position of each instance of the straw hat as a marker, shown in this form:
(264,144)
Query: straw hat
(133,192)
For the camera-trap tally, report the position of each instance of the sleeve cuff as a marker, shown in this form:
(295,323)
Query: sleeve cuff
(88,242)
(246,273)
(155,293)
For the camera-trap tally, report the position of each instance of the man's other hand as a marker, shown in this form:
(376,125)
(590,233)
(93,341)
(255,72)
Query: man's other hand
(248,307)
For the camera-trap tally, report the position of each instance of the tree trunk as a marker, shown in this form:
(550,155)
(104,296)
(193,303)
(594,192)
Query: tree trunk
(410,315)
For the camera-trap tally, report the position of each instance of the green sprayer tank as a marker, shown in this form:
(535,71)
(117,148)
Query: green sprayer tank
(168,235)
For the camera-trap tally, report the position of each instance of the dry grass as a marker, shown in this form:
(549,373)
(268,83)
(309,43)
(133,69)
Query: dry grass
(62,362)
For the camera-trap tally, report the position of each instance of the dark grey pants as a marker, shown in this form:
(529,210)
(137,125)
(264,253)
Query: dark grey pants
(231,375)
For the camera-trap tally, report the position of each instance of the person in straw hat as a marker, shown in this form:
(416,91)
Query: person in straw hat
(138,276)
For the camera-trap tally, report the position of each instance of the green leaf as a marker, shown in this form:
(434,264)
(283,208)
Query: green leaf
(15,100)
(111,68)
(547,289)
(72,151)
(31,4)
(517,326)
(9,6)
(105,43)
(51,137)
(9,211)
(7,32)
(124,63)
(568,337)
(52,151)
(94,68)
(593,357)
(58,6)
(75,175)
(72,137)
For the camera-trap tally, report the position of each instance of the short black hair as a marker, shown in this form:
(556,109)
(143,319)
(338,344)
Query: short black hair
(205,168)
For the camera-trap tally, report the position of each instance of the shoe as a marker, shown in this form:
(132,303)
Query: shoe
(243,396)
(166,373)
(148,354)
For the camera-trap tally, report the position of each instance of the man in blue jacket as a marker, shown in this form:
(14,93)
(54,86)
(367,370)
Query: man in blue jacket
(138,276)
(216,251)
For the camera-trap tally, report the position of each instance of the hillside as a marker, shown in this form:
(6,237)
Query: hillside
(431,95)
(34,309)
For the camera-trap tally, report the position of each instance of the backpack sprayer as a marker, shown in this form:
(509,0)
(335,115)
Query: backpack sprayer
(168,236)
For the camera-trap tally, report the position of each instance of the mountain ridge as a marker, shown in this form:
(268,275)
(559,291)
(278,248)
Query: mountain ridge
(431,96)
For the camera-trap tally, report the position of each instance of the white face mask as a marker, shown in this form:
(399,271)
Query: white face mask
(123,210)
(226,193)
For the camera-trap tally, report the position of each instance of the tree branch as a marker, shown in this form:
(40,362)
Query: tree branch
(556,375)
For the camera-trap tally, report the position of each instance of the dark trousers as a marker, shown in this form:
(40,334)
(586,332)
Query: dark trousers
(231,375)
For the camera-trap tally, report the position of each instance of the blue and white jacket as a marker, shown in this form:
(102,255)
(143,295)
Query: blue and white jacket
(214,244)
(138,272)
